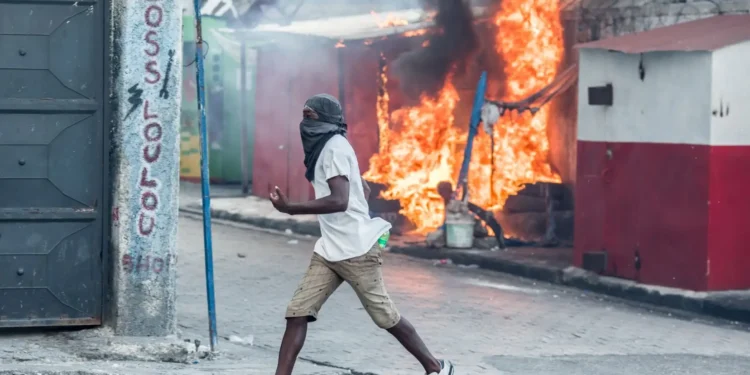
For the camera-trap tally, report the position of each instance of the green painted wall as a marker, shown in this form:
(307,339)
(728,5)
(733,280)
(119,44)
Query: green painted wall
(223,103)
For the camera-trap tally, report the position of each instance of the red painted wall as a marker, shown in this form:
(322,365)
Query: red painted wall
(292,71)
(269,161)
(729,218)
(360,79)
(683,207)
(648,197)
(287,77)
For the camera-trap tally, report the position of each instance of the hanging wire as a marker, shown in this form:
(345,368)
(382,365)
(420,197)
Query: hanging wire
(204,55)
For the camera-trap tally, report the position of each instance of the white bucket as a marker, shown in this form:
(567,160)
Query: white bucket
(459,234)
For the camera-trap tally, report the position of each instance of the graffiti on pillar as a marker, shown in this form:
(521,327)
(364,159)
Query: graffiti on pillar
(141,264)
(154,15)
(135,99)
(164,92)
(151,127)
(149,185)
(145,138)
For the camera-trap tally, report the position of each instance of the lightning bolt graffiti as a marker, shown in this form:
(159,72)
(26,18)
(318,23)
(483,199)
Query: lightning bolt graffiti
(134,99)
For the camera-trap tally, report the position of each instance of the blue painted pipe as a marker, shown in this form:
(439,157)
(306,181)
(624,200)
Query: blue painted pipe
(476,116)
(205,186)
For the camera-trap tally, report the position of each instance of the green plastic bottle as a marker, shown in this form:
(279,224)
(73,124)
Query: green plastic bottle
(383,240)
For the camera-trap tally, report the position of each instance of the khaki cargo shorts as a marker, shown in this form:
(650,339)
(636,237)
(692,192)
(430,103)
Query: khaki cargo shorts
(363,273)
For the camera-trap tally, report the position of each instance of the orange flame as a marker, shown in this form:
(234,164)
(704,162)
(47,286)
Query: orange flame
(429,149)
(419,157)
(413,33)
(389,21)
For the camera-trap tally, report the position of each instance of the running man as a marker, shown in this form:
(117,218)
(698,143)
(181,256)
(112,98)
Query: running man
(351,243)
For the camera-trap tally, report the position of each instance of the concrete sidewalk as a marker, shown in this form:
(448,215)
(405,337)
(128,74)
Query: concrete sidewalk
(478,319)
(249,210)
(546,264)
(98,351)
(551,265)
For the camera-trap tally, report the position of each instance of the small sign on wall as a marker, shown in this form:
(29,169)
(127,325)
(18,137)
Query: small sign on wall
(601,95)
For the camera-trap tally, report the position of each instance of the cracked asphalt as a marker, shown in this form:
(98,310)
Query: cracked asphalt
(487,323)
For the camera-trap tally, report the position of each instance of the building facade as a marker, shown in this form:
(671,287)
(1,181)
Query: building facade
(664,154)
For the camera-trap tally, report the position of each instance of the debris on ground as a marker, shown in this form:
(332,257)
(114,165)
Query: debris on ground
(436,239)
(247,340)
(443,262)
(469,266)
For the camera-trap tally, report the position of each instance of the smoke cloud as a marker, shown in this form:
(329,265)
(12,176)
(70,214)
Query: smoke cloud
(424,70)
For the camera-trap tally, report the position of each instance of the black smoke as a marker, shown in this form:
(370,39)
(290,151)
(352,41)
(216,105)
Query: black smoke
(451,45)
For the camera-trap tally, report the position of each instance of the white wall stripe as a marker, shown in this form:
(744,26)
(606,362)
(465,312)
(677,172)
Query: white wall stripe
(674,101)
(730,95)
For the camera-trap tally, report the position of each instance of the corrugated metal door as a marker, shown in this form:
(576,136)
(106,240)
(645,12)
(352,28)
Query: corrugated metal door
(271,121)
(622,208)
(606,211)
(318,75)
(283,86)
(52,164)
(590,214)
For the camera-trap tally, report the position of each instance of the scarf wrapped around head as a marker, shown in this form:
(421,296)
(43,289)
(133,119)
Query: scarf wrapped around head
(315,133)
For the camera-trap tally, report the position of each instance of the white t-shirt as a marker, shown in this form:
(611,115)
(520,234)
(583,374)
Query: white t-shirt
(352,233)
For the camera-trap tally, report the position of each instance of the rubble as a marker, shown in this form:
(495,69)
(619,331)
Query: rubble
(247,340)
(435,239)
(443,262)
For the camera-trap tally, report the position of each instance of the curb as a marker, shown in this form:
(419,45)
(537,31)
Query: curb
(312,229)
(733,306)
(537,272)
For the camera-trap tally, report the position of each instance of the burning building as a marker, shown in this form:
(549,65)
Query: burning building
(422,144)
(343,56)
(413,73)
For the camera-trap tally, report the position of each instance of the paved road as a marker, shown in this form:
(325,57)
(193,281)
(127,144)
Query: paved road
(487,323)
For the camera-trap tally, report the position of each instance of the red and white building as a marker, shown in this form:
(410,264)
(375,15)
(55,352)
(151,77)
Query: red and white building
(663,169)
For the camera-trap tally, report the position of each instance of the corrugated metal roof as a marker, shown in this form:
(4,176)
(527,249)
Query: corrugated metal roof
(357,27)
(708,34)
(353,27)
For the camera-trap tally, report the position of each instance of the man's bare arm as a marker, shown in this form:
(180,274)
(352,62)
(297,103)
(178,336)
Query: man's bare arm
(337,201)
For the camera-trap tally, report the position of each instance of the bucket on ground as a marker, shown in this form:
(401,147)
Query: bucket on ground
(459,231)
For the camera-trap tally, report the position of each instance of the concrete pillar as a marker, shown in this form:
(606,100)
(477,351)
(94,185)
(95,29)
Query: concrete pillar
(147,77)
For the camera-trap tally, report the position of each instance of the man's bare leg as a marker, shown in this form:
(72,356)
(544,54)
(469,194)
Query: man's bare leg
(291,344)
(405,333)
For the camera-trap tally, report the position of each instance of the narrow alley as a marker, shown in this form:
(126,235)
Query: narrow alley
(488,323)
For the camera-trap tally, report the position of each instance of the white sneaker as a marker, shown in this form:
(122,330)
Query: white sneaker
(447,368)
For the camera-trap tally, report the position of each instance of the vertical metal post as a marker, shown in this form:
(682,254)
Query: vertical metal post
(243,122)
(476,117)
(205,187)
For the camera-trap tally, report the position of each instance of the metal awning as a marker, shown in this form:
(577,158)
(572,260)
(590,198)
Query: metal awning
(708,34)
(349,28)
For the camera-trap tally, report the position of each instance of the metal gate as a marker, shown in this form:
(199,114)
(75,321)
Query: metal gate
(53,165)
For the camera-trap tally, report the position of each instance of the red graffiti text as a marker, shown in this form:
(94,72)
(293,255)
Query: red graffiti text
(153,16)
(152,135)
(145,263)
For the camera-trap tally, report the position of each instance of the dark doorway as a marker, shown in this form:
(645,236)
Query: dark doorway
(53,162)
